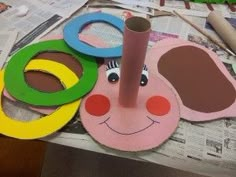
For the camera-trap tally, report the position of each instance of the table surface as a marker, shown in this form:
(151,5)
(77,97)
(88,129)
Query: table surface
(20,158)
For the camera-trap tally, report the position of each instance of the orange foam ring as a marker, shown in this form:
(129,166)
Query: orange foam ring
(135,41)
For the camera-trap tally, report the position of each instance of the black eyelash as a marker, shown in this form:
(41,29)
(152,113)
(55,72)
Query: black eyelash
(112,64)
(145,67)
(113,71)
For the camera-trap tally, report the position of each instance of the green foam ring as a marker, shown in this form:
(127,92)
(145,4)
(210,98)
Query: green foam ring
(15,80)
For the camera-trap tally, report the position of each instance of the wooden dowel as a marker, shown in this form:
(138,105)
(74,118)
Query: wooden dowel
(205,33)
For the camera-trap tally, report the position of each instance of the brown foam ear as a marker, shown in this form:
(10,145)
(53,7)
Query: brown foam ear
(46,82)
(199,82)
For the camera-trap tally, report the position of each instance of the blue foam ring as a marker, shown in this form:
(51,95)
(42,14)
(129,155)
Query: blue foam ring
(75,26)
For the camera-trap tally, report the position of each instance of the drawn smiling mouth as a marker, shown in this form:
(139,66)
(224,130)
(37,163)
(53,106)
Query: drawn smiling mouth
(131,133)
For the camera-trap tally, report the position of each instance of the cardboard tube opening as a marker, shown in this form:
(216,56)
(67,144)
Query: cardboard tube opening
(138,24)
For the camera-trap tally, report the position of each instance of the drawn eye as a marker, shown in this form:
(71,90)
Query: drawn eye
(144,76)
(113,71)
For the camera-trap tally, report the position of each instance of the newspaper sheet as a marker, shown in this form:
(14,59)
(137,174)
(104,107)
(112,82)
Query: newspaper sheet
(134,7)
(7,41)
(65,8)
(145,3)
(43,16)
(195,9)
(203,148)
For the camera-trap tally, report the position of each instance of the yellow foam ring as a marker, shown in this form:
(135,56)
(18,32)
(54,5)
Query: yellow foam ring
(47,124)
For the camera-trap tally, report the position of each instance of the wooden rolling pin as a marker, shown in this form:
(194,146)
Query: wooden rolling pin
(223,28)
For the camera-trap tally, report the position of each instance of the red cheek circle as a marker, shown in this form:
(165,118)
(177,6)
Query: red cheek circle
(97,105)
(158,105)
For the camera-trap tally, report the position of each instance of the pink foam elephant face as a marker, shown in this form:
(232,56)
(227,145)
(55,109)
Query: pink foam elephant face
(145,126)
(185,80)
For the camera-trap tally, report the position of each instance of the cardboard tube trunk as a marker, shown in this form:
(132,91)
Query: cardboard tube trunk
(135,41)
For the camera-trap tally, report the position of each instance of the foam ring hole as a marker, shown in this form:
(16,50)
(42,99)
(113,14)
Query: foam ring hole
(55,85)
(35,78)
(104,40)
(53,56)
